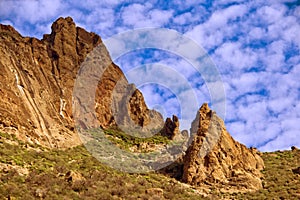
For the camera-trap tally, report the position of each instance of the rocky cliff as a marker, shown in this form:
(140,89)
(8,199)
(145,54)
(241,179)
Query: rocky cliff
(215,158)
(37,79)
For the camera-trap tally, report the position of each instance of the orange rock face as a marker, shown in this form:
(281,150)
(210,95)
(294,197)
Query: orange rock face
(37,79)
(214,157)
(171,128)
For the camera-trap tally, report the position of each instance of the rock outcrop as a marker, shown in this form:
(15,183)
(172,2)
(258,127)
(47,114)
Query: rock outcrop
(171,128)
(37,79)
(215,158)
(131,113)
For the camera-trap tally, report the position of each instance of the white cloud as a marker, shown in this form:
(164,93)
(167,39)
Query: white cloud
(278,105)
(160,17)
(183,18)
(257,33)
(134,14)
(220,18)
(138,15)
(271,14)
(34,11)
(7,22)
(235,56)
(212,32)
(283,141)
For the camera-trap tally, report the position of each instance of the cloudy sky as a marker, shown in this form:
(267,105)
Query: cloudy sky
(254,45)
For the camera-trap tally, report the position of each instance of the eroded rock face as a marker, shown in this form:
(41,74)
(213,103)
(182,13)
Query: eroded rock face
(37,80)
(214,157)
(131,113)
(171,128)
(36,84)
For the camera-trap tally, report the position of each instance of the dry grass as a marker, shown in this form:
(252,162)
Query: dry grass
(280,182)
(49,176)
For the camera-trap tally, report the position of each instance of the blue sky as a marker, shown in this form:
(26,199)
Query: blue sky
(254,44)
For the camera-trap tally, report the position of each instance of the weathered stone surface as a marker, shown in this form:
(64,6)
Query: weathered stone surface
(171,127)
(296,170)
(131,113)
(214,157)
(37,79)
(34,83)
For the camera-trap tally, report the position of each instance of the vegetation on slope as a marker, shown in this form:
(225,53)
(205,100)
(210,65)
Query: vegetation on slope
(128,142)
(280,180)
(30,171)
(75,174)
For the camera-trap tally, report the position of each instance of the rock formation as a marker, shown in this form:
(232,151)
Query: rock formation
(214,157)
(171,128)
(131,113)
(37,79)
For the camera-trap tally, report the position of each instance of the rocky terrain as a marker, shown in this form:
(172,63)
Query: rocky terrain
(36,86)
(30,171)
(37,80)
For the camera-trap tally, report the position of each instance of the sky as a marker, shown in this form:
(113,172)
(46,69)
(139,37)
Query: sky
(255,46)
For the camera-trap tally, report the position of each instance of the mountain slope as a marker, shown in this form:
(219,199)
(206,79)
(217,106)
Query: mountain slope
(30,171)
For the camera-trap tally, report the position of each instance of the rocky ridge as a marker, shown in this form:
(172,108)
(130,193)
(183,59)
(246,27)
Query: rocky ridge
(37,79)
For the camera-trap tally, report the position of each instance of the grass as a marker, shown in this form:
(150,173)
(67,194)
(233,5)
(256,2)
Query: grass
(49,175)
(126,141)
(49,170)
(280,182)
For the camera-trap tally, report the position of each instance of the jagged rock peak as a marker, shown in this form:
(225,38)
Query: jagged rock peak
(171,127)
(37,79)
(61,23)
(214,157)
(10,30)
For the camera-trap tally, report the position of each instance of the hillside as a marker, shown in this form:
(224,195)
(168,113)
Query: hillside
(33,172)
